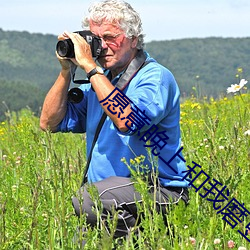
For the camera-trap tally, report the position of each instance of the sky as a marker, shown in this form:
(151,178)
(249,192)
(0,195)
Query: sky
(162,19)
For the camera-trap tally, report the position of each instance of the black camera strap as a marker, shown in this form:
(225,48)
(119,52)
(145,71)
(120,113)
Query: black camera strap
(136,64)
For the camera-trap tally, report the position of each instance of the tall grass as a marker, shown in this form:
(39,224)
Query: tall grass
(40,172)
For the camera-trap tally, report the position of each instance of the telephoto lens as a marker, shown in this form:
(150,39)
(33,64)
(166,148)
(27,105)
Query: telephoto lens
(65,48)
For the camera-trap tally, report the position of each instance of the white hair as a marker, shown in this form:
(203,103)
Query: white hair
(120,13)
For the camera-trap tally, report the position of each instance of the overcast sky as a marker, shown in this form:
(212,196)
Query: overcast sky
(162,19)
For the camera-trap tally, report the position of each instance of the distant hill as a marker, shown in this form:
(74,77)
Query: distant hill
(28,58)
(28,66)
(210,64)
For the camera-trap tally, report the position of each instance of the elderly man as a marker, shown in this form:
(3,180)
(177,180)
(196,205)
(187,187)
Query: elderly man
(148,118)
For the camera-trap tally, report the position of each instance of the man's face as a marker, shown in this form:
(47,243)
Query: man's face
(118,50)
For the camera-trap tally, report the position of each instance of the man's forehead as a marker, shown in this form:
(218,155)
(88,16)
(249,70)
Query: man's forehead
(104,26)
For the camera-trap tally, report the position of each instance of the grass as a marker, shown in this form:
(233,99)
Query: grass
(40,172)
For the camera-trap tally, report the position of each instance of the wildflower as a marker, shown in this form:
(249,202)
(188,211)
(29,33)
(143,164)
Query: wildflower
(123,160)
(195,105)
(221,147)
(216,241)
(132,162)
(192,240)
(186,226)
(247,133)
(242,248)
(14,188)
(230,244)
(240,70)
(237,87)
(45,216)
(137,160)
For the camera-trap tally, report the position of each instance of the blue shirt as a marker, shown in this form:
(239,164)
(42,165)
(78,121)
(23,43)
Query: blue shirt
(153,90)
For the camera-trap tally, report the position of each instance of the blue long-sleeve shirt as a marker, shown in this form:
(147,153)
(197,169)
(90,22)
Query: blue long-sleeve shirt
(153,90)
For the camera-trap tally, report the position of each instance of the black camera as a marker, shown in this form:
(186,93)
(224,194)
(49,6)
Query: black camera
(65,48)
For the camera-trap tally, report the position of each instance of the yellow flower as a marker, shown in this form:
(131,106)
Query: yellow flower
(183,113)
(138,160)
(132,162)
(240,70)
(195,105)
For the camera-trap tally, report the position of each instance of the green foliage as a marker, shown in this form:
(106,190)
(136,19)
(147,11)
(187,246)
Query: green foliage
(26,57)
(201,66)
(36,184)
(210,61)
(40,172)
(14,95)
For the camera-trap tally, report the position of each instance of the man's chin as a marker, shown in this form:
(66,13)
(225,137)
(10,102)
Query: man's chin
(105,63)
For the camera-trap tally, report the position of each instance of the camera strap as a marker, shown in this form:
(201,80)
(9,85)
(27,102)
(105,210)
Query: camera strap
(136,64)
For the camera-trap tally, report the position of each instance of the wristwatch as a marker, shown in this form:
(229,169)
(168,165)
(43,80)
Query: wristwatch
(96,70)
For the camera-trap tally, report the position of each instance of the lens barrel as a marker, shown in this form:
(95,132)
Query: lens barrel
(65,48)
(75,95)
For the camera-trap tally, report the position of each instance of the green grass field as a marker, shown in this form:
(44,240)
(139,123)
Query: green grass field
(40,172)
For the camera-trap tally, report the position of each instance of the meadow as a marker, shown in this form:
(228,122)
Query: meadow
(40,172)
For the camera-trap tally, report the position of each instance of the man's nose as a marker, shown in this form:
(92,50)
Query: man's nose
(104,44)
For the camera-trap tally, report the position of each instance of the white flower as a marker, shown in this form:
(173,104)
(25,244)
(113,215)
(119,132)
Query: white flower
(242,248)
(217,241)
(22,210)
(221,147)
(237,87)
(246,133)
(192,240)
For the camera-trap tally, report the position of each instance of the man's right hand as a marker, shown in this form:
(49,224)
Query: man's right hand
(66,63)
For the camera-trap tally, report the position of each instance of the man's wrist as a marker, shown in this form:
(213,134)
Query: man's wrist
(96,70)
(65,73)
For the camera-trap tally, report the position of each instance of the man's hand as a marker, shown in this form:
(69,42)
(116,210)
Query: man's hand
(66,63)
(83,54)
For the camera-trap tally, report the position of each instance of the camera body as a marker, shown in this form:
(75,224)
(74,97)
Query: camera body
(65,48)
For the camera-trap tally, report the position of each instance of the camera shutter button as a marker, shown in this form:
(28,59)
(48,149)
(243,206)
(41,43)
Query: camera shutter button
(96,70)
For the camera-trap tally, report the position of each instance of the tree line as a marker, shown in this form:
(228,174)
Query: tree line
(202,67)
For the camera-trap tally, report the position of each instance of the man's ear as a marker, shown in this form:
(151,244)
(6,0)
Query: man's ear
(134,42)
